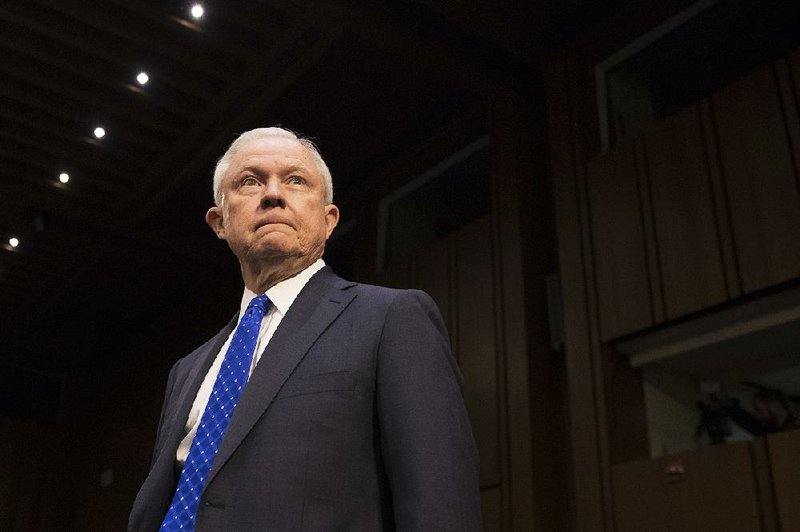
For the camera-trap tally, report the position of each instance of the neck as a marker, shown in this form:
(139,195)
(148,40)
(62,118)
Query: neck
(260,277)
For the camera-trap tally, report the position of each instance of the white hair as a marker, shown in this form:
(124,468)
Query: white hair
(270,132)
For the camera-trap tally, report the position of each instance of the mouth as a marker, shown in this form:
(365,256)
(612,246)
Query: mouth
(263,223)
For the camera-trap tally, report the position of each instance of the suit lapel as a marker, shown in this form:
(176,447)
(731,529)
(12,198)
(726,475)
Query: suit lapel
(316,307)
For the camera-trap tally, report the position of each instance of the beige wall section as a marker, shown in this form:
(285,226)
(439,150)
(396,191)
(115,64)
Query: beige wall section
(671,413)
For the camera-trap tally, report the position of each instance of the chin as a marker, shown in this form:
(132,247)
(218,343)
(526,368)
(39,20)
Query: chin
(280,249)
(273,243)
(272,252)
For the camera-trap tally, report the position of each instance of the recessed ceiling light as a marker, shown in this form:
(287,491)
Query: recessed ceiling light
(63,177)
(197,11)
(142,78)
(13,241)
(99,132)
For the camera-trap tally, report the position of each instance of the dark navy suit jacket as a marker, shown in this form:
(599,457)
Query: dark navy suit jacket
(352,420)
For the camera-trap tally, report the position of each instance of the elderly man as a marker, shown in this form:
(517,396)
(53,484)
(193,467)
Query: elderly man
(324,404)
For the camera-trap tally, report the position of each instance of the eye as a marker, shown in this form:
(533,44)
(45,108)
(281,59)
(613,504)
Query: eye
(296,180)
(249,181)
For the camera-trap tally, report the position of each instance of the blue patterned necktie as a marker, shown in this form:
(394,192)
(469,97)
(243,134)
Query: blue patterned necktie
(227,389)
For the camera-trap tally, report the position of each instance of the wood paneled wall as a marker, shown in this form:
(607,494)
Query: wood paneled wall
(700,210)
(687,231)
(756,120)
(588,364)
(703,208)
(746,486)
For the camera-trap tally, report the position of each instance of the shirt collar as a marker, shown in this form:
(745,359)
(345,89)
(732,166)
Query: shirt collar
(283,294)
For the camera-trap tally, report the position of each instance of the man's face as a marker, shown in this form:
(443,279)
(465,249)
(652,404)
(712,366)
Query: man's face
(273,203)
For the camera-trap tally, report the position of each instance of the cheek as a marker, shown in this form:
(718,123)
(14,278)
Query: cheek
(320,228)
(236,231)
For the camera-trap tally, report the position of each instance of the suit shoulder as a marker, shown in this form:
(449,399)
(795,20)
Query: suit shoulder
(390,296)
(372,292)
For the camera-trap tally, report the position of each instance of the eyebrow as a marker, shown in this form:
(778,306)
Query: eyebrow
(287,170)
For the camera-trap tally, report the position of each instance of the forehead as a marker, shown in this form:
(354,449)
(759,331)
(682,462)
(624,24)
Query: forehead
(272,154)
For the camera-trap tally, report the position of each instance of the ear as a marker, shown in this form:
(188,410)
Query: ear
(215,221)
(331,217)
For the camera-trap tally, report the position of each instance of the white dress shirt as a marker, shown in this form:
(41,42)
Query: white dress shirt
(282,295)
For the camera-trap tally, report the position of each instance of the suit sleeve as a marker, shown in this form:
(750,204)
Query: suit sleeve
(427,445)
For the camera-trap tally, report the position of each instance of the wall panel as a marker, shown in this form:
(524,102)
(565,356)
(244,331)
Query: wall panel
(686,229)
(586,415)
(760,178)
(714,489)
(789,76)
(618,244)
(492,508)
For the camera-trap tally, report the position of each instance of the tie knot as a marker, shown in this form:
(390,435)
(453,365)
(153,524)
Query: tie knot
(259,303)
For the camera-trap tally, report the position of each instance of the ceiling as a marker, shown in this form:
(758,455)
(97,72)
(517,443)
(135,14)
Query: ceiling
(124,239)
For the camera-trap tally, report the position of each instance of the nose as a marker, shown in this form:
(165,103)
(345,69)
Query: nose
(272,194)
